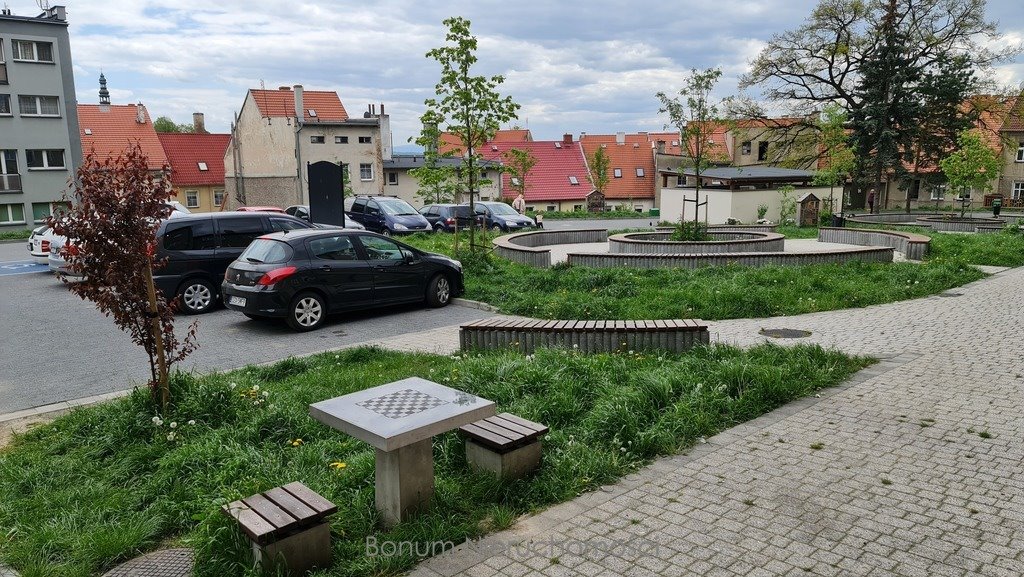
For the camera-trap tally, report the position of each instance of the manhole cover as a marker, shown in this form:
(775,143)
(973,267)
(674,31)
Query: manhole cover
(951,294)
(166,563)
(785,333)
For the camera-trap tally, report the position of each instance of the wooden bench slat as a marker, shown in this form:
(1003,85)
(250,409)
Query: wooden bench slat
(273,514)
(497,430)
(302,512)
(484,436)
(312,500)
(510,426)
(256,527)
(539,428)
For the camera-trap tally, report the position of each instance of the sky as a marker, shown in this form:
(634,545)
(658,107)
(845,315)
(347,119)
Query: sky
(574,67)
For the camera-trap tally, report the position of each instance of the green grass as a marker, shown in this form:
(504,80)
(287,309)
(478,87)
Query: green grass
(104,483)
(19,234)
(991,249)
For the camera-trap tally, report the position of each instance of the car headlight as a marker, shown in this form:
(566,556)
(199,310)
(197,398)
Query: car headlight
(400,226)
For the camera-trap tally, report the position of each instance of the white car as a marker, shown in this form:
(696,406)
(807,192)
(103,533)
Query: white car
(55,261)
(39,243)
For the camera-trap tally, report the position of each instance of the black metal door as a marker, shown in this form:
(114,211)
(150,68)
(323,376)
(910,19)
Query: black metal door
(326,193)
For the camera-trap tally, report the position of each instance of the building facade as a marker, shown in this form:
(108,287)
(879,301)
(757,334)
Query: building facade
(197,168)
(271,145)
(401,183)
(40,148)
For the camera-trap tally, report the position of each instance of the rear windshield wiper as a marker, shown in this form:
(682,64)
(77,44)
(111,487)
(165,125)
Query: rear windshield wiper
(253,260)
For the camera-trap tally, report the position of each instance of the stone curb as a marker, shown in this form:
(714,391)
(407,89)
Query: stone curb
(61,407)
(475,305)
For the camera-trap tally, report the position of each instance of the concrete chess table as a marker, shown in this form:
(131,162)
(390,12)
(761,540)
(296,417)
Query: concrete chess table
(399,419)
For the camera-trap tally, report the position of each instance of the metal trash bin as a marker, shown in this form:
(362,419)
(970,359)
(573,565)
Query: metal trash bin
(838,220)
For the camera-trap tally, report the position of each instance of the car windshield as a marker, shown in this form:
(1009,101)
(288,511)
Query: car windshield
(503,209)
(396,207)
(265,250)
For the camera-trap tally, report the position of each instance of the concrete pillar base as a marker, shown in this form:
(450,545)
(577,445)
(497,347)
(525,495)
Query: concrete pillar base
(404,481)
(512,465)
(299,553)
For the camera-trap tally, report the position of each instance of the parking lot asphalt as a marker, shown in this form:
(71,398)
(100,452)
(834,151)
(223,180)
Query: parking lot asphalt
(56,347)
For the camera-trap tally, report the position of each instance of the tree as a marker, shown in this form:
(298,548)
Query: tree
(518,164)
(467,106)
(696,117)
(821,61)
(973,166)
(165,124)
(599,164)
(838,158)
(111,230)
(438,179)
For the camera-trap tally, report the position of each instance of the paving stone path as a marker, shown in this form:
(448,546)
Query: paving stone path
(915,467)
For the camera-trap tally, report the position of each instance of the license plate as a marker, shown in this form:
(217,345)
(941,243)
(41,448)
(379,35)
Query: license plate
(237,301)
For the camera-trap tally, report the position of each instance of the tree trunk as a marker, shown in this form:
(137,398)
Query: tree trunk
(162,385)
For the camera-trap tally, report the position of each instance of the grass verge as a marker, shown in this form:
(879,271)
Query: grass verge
(102,484)
(20,234)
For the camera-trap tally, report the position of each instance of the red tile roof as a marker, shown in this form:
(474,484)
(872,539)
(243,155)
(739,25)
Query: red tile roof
(281,103)
(671,140)
(185,151)
(635,153)
(1014,117)
(549,178)
(451,143)
(109,132)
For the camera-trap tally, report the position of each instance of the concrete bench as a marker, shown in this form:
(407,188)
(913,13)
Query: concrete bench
(287,526)
(526,335)
(505,445)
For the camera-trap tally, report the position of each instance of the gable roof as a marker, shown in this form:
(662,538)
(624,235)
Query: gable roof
(671,140)
(549,178)
(281,104)
(186,150)
(450,143)
(635,153)
(1014,118)
(110,129)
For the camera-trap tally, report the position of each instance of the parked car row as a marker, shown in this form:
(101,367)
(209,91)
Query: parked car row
(274,265)
(496,216)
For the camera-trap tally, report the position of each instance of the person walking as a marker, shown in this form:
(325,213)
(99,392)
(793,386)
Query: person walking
(871,201)
(519,204)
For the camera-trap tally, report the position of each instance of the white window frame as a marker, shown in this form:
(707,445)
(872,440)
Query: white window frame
(1020,152)
(39,106)
(203,166)
(3,161)
(218,196)
(1017,190)
(3,64)
(514,180)
(35,51)
(340,140)
(6,207)
(617,172)
(938,192)
(365,172)
(191,199)
(573,180)
(10,109)
(46,159)
(317,139)
(639,172)
(392,178)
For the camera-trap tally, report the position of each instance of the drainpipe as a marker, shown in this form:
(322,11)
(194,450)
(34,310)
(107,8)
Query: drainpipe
(299,120)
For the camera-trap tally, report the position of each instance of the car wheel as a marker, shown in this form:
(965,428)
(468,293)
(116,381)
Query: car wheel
(496,228)
(439,228)
(386,232)
(197,296)
(439,291)
(307,312)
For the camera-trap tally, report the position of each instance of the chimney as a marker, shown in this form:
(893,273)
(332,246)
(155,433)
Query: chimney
(140,114)
(285,88)
(199,122)
(620,138)
(57,13)
(300,110)
(567,138)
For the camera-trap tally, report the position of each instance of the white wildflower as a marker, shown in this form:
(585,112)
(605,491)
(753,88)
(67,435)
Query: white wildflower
(171,436)
(191,422)
(174,425)
(266,394)
(255,387)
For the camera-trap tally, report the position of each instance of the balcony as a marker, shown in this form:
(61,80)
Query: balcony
(10,183)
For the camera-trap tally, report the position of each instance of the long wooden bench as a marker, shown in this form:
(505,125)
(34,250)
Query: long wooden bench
(506,445)
(287,526)
(526,335)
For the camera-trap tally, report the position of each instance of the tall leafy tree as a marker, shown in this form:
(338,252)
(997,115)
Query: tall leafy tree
(696,116)
(518,164)
(165,124)
(599,164)
(438,179)
(466,105)
(973,166)
(838,160)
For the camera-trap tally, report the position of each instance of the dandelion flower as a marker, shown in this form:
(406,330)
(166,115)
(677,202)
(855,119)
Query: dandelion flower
(255,387)
(297,442)
(158,421)
(191,422)
(338,465)
(266,394)
(171,436)
(174,425)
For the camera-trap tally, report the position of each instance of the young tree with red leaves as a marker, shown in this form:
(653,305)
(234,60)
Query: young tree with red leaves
(111,230)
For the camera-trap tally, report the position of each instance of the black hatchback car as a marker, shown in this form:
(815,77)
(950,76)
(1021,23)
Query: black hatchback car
(304,275)
(446,217)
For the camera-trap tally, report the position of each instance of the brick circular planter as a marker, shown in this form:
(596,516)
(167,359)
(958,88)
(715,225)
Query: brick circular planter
(725,241)
(943,224)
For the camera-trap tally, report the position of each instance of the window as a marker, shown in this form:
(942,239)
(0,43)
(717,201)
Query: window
(3,64)
(316,139)
(190,236)
(639,173)
(574,181)
(1020,152)
(218,197)
(42,210)
(365,140)
(32,51)
(381,249)
(762,151)
(192,199)
(38,106)
(5,104)
(1018,191)
(745,148)
(515,181)
(340,140)
(938,192)
(577,208)
(203,166)
(282,224)
(12,213)
(333,248)
(393,178)
(552,207)
(365,171)
(44,159)
(617,173)
(10,180)
(239,232)
(915,190)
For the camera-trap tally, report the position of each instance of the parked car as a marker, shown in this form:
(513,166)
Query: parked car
(55,260)
(302,211)
(499,216)
(260,209)
(39,243)
(303,276)
(387,215)
(446,217)
(199,248)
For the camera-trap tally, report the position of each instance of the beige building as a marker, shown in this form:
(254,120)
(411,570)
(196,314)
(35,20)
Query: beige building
(401,183)
(266,160)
